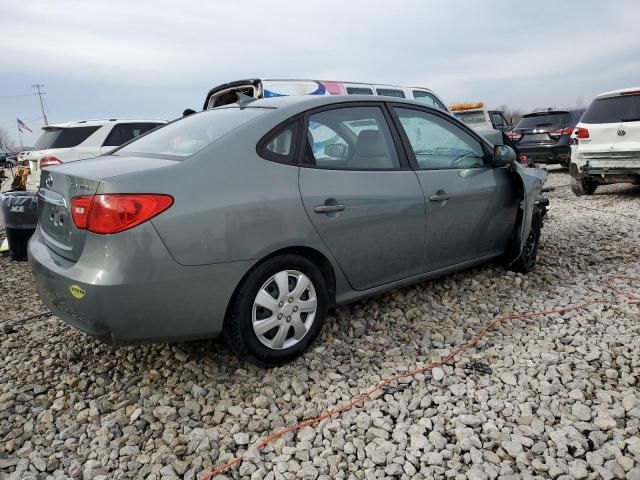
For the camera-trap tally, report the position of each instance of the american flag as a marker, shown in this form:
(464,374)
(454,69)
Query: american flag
(22,126)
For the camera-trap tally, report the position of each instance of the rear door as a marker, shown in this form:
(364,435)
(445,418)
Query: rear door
(471,206)
(360,194)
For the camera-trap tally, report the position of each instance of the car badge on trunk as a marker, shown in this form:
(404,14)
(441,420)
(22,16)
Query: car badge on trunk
(48,181)
(622,132)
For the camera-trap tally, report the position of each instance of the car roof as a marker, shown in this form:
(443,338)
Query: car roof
(101,122)
(615,93)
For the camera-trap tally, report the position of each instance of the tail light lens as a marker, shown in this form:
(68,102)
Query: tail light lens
(561,131)
(582,133)
(114,213)
(514,135)
(48,161)
(524,160)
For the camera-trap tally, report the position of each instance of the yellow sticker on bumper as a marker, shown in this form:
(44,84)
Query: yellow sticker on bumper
(76,291)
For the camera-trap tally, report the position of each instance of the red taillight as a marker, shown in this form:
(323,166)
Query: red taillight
(524,160)
(561,131)
(514,135)
(114,213)
(48,161)
(582,133)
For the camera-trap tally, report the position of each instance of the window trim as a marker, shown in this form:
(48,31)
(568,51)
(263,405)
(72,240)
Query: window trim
(447,117)
(397,141)
(290,159)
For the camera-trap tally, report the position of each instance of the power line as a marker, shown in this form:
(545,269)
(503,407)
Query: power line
(44,115)
(19,95)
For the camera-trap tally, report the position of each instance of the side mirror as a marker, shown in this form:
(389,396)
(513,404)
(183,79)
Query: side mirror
(503,155)
(336,150)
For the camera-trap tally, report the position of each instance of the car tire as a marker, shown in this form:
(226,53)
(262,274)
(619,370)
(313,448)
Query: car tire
(290,314)
(527,260)
(583,186)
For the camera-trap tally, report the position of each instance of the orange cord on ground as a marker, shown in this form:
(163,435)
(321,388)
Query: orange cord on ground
(628,299)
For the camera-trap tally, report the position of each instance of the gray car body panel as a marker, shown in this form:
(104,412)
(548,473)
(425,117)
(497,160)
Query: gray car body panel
(174,276)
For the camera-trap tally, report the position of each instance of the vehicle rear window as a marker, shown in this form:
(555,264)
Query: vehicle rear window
(390,92)
(188,135)
(472,118)
(359,91)
(544,120)
(64,137)
(624,108)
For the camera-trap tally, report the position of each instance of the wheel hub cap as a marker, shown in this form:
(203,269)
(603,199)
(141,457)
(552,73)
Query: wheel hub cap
(284,309)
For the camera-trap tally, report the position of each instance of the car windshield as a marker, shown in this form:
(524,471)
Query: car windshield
(624,108)
(189,135)
(472,117)
(544,120)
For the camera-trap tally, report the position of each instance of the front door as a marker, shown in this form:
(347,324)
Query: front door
(361,196)
(471,206)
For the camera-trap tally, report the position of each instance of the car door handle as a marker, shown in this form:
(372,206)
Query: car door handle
(440,197)
(329,208)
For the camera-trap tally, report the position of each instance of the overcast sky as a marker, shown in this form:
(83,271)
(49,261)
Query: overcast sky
(153,58)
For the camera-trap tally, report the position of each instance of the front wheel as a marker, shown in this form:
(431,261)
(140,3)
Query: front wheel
(529,256)
(583,186)
(278,311)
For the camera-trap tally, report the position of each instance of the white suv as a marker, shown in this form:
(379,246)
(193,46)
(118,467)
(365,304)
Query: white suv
(69,142)
(607,142)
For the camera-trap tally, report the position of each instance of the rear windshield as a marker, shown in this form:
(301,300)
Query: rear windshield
(472,117)
(191,134)
(625,108)
(544,120)
(63,137)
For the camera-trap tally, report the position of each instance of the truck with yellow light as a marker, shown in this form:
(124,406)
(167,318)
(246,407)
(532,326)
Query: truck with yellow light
(489,123)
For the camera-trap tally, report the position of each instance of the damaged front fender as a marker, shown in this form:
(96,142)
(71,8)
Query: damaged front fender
(532,180)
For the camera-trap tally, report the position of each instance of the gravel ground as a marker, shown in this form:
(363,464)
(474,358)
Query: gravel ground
(560,398)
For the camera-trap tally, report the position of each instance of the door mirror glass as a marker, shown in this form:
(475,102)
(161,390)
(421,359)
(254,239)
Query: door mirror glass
(336,150)
(503,155)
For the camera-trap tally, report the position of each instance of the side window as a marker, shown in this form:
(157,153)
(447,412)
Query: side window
(123,132)
(428,99)
(279,146)
(390,92)
(72,137)
(439,144)
(359,91)
(350,138)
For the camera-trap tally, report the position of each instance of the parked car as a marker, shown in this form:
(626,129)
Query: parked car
(252,219)
(72,141)
(488,122)
(544,137)
(607,147)
(268,88)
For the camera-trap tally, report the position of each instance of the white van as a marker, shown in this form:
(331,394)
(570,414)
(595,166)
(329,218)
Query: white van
(264,88)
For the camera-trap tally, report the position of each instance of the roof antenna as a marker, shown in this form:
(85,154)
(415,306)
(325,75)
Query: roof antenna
(244,99)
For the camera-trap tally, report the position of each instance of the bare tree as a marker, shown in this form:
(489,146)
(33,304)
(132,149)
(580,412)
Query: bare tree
(510,113)
(6,141)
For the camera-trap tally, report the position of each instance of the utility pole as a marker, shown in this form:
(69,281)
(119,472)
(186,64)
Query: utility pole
(44,115)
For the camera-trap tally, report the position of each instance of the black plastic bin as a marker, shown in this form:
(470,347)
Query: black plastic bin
(20,214)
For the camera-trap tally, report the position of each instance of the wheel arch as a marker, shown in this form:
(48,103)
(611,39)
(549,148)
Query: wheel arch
(317,257)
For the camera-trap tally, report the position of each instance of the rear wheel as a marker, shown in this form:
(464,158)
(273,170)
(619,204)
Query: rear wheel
(583,186)
(278,311)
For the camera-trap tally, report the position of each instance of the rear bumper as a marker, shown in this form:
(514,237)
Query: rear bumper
(606,170)
(123,300)
(540,153)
